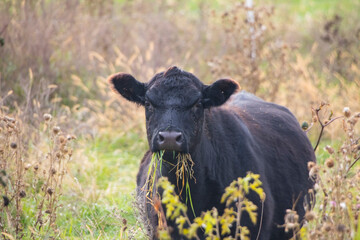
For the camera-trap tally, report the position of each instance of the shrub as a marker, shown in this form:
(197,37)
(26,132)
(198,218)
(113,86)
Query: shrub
(215,226)
(31,177)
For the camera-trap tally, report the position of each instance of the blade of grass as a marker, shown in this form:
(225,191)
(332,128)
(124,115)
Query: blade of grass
(188,193)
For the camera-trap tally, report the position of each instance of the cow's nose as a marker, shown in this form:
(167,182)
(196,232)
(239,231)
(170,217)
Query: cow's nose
(170,140)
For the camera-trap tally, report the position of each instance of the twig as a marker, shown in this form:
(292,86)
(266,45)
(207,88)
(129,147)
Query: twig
(323,125)
(188,222)
(261,219)
(238,217)
(308,129)
(352,165)
(325,200)
(4,28)
(217,223)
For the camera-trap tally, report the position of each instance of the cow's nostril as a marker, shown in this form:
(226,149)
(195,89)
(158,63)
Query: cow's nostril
(161,137)
(179,138)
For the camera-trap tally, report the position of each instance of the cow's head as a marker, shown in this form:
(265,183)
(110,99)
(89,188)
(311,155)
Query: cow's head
(174,103)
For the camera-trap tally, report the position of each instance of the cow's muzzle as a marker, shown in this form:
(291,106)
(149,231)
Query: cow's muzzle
(170,140)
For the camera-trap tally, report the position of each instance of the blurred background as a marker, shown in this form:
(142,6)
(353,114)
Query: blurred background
(55,57)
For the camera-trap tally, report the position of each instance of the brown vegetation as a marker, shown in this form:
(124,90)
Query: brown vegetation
(56,55)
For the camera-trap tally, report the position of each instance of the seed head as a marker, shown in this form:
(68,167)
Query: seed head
(291,220)
(341,228)
(329,149)
(347,112)
(310,165)
(36,167)
(62,139)
(47,117)
(56,130)
(6,201)
(329,162)
(53,171)
(291,216)
(309,216)
(27,166)
(70,137)
(13,145)
(327,227)
(313,173)
(50,191)
(48,211)
(22,194)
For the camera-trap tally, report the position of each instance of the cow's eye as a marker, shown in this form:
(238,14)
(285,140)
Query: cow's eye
(148,104)
(198,104)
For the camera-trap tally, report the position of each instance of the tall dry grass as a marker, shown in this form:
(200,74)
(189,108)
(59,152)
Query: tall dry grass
(335,205)
(51,40)
(55,57)
(32,173)
(57,39)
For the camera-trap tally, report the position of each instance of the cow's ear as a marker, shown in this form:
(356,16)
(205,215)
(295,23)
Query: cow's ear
(219,92)
(128,87)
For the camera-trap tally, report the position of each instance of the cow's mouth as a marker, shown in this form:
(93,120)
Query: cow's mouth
(177,161)
(171,157)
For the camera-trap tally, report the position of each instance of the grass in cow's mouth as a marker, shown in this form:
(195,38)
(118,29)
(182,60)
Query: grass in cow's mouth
(156,160)
(184,169)
(184,172)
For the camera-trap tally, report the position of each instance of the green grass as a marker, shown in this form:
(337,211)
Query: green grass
(95,204)
(312,8)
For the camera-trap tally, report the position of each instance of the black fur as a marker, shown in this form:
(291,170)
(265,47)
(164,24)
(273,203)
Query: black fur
(225,142)
(128,87)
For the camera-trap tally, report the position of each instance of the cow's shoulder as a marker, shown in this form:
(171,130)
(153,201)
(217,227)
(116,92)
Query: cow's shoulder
(250,106)
(249,101)
(244,96)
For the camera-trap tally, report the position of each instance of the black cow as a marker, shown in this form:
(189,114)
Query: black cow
(226,139)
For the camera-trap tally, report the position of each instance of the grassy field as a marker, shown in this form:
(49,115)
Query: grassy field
(73,176)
